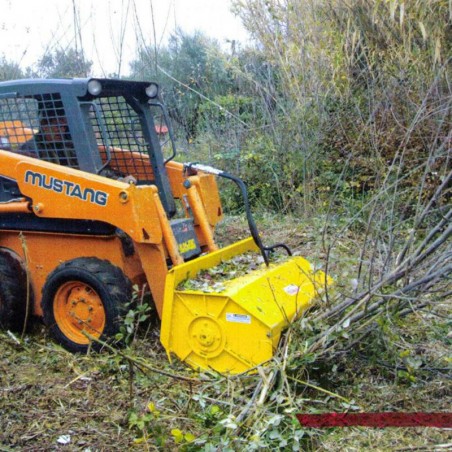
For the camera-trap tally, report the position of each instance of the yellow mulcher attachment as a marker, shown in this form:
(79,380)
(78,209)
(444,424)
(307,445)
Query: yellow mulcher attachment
(238,327)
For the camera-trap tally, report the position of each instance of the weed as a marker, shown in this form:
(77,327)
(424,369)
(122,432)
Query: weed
(139,312)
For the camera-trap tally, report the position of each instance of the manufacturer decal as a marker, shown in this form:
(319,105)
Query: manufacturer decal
(187,246)
(67,188)
(291,289)
(238,318)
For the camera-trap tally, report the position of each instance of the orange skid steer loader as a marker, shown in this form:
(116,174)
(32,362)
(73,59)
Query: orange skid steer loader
(90,205)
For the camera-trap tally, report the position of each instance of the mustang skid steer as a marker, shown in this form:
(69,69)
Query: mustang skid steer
(89,206)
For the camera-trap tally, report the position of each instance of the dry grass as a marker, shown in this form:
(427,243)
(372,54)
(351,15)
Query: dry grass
(47,393)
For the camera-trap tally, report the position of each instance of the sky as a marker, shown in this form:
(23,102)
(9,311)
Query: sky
(108,31)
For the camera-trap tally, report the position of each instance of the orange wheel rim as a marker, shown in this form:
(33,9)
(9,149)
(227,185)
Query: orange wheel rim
(78,309)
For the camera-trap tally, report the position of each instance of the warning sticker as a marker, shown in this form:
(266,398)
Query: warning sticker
(291,289)
(238,318)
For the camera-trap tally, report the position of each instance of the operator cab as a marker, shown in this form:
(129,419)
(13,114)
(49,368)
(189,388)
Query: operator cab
(101,126)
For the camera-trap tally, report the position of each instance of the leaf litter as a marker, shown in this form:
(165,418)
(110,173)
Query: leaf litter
(212,280)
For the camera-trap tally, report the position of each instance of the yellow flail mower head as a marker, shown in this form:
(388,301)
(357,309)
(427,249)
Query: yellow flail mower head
(236,325)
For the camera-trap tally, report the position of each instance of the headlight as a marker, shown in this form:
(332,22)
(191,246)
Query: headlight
(94,87)
(152,90)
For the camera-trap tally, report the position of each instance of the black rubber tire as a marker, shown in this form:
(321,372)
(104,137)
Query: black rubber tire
(13,292)
(107,281)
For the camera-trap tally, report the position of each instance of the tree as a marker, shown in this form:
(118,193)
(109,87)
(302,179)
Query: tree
(190,69)
(63,63)
(9,70)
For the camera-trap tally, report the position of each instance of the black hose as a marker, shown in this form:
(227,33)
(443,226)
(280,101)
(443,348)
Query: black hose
(265,251)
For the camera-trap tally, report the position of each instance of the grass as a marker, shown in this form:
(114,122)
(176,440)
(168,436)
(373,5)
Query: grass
(113,401)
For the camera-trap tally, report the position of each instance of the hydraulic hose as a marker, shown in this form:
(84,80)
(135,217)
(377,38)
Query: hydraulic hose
(265,251)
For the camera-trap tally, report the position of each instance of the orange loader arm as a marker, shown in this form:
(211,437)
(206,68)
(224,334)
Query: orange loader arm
(54,191)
